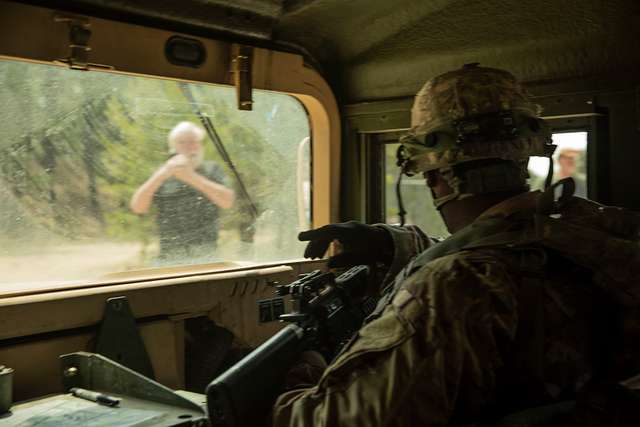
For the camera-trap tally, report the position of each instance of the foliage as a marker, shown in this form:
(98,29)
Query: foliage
(76,146)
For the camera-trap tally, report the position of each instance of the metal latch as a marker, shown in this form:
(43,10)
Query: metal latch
(79,35)
(241,59)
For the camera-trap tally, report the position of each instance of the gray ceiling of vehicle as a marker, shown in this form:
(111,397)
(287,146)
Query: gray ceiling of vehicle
(377,49)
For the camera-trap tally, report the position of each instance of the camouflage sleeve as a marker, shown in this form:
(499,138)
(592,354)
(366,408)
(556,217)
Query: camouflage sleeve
(432,350)
(408,241)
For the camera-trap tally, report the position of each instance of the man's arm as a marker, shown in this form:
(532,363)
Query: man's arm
(218,194)
(142,198)
(407,241)
(367,244)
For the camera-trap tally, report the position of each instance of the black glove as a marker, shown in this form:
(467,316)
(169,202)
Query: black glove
(361,244)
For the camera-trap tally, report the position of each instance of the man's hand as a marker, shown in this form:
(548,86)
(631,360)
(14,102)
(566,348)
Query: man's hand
(179,166)
(361,244)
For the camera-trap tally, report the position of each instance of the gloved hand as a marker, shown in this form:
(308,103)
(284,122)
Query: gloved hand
(361,244)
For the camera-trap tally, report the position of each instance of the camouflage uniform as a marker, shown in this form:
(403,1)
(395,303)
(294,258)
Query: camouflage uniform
(513,310)
(504,315)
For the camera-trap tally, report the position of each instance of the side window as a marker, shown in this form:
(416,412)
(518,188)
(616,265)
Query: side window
(569,160)
(416,197)
(103,173)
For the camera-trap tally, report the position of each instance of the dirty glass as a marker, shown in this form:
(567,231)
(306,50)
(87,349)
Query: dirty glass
(416,197)
(569,160)
(75,147)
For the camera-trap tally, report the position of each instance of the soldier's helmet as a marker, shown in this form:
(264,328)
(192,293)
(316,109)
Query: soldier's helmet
(470,114)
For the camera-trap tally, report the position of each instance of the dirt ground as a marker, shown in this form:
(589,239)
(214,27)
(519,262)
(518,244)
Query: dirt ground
(65,263)
(35,266)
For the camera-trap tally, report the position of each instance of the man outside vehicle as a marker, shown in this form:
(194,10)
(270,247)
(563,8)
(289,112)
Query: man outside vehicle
(188,193)
(568,159)
(514,310)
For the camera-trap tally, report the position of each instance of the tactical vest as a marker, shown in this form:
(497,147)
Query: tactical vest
(604,241)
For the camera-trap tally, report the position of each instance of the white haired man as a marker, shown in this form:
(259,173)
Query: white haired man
(188,192)
(568,159)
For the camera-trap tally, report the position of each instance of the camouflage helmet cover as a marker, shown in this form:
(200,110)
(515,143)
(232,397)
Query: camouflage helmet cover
(457,98)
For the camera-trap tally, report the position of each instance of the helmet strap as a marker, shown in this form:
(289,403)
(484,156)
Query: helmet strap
(549,150)
(401,211)
(549,178)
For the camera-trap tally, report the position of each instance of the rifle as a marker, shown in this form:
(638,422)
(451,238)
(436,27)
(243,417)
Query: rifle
(328,311)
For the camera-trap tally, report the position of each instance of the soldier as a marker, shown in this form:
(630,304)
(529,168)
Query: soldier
(514,310)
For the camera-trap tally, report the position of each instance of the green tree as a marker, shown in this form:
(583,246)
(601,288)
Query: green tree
(77,145)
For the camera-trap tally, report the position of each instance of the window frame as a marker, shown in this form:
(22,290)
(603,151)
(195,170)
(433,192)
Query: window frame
(364,121)
(376,208)
(365,126)
(38,325)
(134,50)
(596,128)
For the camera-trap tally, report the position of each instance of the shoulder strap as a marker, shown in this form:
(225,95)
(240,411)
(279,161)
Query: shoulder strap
(602,239)
(490,232)
(615,261)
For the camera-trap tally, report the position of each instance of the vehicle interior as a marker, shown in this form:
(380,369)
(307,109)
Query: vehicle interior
(303,103)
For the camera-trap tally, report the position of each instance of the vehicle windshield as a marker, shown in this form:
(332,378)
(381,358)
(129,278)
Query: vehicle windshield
(102,174)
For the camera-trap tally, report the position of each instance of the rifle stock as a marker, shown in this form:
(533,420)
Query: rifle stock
(328,311)
(245,393)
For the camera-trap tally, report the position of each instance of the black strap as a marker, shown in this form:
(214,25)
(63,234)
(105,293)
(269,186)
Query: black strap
(401,162)
(217,142)
(548,204)
(401,211)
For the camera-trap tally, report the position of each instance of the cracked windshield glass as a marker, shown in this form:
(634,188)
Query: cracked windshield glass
(104,175)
